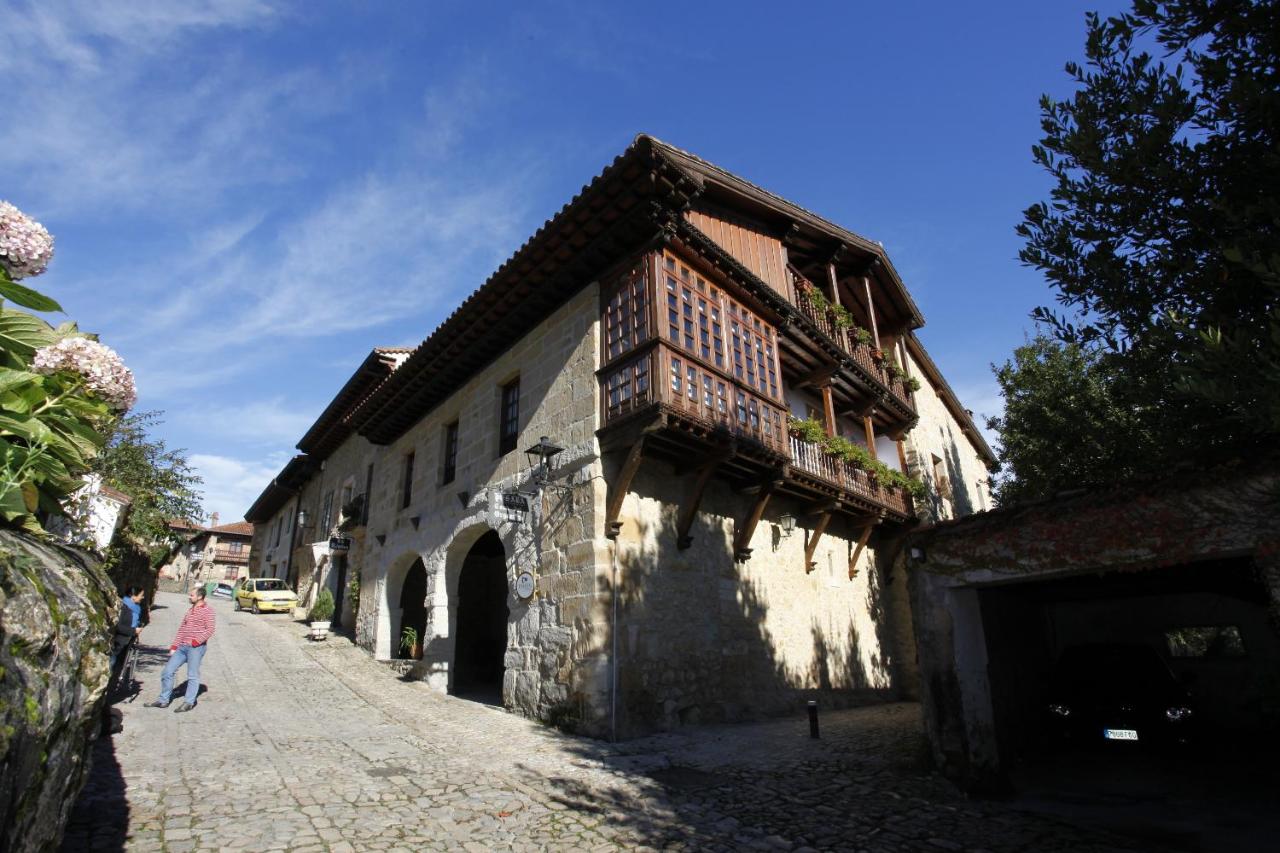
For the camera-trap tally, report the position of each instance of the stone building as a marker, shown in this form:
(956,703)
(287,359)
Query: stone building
(219,552)
(583,493)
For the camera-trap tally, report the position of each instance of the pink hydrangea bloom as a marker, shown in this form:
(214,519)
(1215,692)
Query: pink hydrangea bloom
(25,246)
(102,369)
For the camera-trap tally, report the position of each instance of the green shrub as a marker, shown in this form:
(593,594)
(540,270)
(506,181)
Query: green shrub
(322,610)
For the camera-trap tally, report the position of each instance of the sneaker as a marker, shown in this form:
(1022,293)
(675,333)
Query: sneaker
(183,708)
(157,704)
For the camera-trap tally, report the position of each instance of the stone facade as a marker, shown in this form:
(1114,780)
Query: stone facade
(626,631)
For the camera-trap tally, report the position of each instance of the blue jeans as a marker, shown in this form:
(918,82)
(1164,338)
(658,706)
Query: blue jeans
(191,656)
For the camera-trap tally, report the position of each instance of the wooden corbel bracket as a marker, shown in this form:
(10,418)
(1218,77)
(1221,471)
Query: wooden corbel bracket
(763,491)
(702,476)
(868,524)
(621,485)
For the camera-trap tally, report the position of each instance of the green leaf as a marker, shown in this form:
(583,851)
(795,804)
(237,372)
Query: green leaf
(26,297)
(22,333)
(26,428)
(10,378)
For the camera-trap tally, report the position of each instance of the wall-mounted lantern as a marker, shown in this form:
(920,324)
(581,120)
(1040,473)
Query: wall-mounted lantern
(788,525)
(302,518)
(540,456)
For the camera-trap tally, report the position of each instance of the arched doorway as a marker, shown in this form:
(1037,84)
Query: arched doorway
(481,635)
(413,604)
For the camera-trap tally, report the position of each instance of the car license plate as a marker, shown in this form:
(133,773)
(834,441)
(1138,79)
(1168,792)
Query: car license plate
(1120,734)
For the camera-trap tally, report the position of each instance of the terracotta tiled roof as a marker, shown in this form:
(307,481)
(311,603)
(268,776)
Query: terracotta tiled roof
(115,494)
(239,528)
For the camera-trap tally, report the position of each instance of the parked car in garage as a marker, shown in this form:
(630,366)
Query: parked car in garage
(1118,693)
(264,594)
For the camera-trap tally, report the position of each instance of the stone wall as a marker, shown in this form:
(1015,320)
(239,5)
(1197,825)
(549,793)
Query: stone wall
(702,638)
(939,435)
(553,667)
(57,611)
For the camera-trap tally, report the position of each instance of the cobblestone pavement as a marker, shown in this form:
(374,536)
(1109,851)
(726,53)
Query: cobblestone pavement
(315,747)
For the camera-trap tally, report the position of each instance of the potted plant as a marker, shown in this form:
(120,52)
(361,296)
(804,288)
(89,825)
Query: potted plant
(411,643)
(862,336)
(806,429)
(321,613)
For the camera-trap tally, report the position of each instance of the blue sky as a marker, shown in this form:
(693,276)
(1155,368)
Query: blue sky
(248,195)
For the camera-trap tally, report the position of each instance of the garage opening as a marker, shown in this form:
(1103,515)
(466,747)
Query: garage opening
(1193,642)
(413,613)
(481,633)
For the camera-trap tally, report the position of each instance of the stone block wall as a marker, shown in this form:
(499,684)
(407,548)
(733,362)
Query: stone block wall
(553,648)
(938,434)
(702,638)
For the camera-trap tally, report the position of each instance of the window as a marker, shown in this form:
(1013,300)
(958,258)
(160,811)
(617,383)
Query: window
(276,533)
(940,480)
(406,486)
(705,321)
(509,427)
(326,513)
(450,452)
(236,547)
(627,314)
(368,494)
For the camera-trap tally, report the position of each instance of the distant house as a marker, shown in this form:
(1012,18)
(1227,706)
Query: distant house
(93,515)
(218,552)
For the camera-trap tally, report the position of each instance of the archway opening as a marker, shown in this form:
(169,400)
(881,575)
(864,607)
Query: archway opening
(481,633)
(413,612)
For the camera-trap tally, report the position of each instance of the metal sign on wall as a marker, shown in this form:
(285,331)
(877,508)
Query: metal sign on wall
(339,544)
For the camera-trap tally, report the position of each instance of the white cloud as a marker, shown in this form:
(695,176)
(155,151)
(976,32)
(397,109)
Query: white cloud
(262,422)
(232,485)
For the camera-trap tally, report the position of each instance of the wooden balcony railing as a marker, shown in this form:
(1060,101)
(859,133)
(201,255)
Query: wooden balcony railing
(845,338)
(811,458)
(221,556)
(669,377)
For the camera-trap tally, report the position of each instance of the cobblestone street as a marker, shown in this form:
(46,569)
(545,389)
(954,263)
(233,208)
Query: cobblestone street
(304,746)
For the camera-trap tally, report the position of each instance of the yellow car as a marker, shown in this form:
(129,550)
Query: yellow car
(263,595)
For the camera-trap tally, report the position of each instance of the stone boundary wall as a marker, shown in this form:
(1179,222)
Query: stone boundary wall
(57,614)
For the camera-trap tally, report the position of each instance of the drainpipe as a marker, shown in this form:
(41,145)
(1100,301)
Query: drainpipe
(613,657)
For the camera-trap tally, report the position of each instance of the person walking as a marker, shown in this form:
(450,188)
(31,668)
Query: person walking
(188,647)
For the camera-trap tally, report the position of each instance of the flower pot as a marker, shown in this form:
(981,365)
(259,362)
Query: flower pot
(319,630)
(877,353)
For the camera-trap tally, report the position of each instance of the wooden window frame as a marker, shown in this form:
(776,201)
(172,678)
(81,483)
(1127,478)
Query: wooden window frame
(406,482)
(509,417)
(450,468)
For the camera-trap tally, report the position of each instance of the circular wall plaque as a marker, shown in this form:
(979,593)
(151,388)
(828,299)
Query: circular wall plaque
(524,585)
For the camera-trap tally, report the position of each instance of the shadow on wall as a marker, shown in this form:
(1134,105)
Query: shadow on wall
(700,638)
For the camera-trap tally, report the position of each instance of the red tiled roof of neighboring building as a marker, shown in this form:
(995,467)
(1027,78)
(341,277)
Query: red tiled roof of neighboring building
(239,528)
(115,494)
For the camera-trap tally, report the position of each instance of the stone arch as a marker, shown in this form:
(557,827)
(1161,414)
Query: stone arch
(481,616)
(445,614)
(388,628)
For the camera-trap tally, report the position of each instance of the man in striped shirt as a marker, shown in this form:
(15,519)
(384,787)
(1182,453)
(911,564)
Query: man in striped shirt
(188,647)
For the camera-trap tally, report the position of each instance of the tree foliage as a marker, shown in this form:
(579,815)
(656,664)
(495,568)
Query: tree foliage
(160,481)
(1162,236)
(1066,422)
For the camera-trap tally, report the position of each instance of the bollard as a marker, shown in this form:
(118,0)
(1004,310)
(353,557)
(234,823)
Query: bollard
(813,719)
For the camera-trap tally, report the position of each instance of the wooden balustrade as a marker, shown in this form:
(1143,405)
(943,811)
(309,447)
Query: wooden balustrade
(811,458)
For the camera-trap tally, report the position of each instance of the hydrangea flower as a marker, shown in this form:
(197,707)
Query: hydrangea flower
(25,246)
(101,368)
